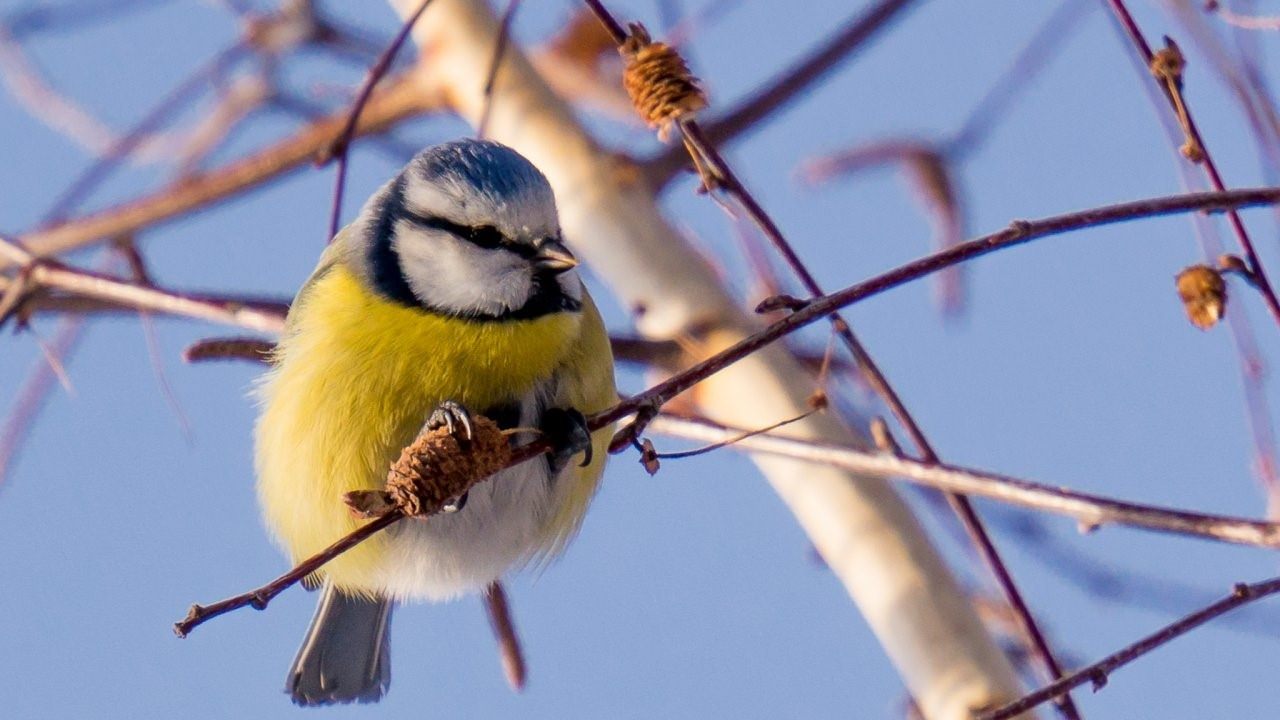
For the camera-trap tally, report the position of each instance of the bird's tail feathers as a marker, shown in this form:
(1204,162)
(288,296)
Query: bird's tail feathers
(345,656)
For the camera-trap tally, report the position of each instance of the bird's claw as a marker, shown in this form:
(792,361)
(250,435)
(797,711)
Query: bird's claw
(567,430)
(456,418)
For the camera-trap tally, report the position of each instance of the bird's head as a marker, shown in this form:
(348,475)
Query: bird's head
(468,229)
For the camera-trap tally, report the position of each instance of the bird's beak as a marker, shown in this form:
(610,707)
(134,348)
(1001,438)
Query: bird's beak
(554,257)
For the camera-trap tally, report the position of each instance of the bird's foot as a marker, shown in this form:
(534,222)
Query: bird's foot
(457,419)
(567,430)
(454,416)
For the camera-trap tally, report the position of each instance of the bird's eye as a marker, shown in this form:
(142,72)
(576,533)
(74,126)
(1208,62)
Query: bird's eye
(487,237)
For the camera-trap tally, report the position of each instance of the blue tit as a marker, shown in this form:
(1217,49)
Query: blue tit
(451,290)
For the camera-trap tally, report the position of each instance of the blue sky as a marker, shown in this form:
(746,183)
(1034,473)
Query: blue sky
(691,593)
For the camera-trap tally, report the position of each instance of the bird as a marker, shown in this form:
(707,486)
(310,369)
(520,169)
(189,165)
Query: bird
(451,293)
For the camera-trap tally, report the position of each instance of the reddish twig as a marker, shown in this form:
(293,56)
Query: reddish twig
(342,143)
(1017,233)
(1258,275)
(499,51)
(775,93)
(176,99)
(1091,511)
(706,154)
(34,392)
(504,631)
(258,598)
(398,100)
(235,348)
(1099,672)
(254,315)
(1250,363)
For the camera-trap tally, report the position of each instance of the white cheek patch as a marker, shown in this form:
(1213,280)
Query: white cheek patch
(452,275)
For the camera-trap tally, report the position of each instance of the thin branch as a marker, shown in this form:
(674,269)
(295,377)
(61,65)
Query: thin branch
(782,88)
(1092,511)
(1019,232)
(399,99)
(504,631)
(705,153)
(34,392)
(258,598)
(1250,363)
(177,98)
(253,315)
(343,142)
(1099,672)
(235,348)
(499,50)
(1258,275)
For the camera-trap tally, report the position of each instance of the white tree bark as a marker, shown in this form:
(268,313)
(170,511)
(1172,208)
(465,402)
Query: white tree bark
(864,531)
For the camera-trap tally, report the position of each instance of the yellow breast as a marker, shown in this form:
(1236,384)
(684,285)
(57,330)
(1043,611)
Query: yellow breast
(356,378)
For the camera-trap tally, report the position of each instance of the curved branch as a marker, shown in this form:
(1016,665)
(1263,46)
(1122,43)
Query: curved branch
(1091,510)
(400,99)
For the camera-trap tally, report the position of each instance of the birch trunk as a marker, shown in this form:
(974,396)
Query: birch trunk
(864,531)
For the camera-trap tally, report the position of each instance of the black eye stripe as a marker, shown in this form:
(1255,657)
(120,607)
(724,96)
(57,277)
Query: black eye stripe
(484,236)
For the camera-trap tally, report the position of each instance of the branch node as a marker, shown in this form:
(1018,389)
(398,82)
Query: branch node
(1019,228)
(630,433)
(183,626)
(774,303)
(1098,679)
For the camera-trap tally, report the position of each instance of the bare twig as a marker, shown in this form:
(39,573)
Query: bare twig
(1250,363)
(1099,672)
(499,50)
(342,143)
(1092,511)
(33,392)
(236,348)
(782,88)
(264,317)
(399,99)
(705,155)
(258,598)
(100,169)
(1018,232)
(1200,152)
(504,631)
